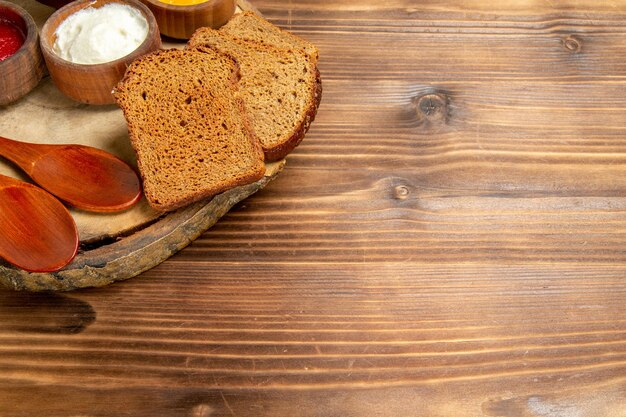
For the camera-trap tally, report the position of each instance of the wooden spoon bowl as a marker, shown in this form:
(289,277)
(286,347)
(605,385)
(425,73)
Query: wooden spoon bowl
(22,71)
(85,177)
(92,84)
(37,233)
(100,182)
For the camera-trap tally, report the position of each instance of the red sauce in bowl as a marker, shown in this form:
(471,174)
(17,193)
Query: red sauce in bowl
(11,38)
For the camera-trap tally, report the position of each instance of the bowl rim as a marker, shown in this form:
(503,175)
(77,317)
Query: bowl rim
(32,34)
(49,52)
(189,7)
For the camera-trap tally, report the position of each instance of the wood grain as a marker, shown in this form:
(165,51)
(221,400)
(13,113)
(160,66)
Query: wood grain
(448,240)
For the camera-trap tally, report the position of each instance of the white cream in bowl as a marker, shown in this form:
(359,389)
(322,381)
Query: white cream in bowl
(99,35)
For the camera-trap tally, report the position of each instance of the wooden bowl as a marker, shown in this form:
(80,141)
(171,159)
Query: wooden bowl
(57,4)
(92,83)
(23,70)
(180,22)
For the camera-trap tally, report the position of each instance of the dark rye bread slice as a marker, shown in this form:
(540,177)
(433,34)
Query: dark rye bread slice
(188,126)
(252,27)
(281,89)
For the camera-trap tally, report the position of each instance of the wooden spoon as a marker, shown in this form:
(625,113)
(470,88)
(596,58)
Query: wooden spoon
(85,177)
(37,233)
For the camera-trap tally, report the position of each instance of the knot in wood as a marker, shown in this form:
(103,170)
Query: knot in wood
(432,106)
(572,44)
(401,192)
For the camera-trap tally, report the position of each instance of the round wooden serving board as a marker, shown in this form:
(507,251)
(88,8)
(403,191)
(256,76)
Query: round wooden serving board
(113,246)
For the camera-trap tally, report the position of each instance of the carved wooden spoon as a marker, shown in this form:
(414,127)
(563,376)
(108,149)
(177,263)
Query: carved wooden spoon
(37,233)
(85,177)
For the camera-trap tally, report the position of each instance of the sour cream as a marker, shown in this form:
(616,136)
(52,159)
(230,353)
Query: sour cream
(98,35)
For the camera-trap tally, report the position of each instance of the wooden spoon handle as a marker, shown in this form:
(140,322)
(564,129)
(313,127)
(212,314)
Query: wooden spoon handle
(22,154)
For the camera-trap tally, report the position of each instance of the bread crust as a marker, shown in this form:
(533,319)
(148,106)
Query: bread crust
(282,150)
(252,174)
(293,136)
(305,53)
(279,152)
(298,42)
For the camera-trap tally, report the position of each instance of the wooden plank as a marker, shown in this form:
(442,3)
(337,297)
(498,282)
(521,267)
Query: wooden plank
(405,263)
(374,216)
(281,343)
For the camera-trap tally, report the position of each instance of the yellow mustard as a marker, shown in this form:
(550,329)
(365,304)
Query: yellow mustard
(183,2)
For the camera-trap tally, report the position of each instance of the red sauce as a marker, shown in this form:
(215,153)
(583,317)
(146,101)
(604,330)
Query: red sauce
(11,39)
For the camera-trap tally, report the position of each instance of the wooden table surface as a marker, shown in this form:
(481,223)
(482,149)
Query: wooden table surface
(449,240)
